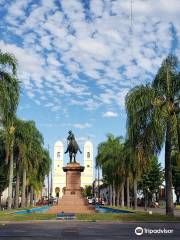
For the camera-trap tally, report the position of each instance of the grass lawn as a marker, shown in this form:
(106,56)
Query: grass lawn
(130,217)
(138,216)
(10,216)
(137,210)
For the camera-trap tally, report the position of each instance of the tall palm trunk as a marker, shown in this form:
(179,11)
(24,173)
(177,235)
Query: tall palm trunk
(35,197)
(178,130)
(122,194)
(135,192)
(168,170)
(23,200)
(114,193)
(31,195)
(177,198)
(28,196)
(0,200)
(10,179)
(145,199)
(17,186)
(127,192)
(118,196)
(110,195)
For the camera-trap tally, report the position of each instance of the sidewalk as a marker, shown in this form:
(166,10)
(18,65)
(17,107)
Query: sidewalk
(159,210)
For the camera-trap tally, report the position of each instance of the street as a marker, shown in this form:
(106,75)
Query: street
(72,230)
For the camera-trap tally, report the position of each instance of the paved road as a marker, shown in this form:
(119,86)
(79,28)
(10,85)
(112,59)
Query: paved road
(84,231)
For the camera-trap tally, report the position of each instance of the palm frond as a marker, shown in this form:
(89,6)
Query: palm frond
(10,60)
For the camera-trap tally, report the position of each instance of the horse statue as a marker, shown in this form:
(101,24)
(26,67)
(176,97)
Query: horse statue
(72,147)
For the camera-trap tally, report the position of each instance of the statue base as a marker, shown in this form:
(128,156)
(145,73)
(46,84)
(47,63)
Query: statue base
(73,200)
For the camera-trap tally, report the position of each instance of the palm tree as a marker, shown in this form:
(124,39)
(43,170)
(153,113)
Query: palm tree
(22,141)
(109,158)
(129,170)
(32,160)
(175,158)
(152,120)
(28,152)
(37,177)
(3,168)
(103,161)
(33,155)
(9,96)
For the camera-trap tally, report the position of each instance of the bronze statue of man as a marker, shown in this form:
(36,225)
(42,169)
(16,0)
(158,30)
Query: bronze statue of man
(72,147)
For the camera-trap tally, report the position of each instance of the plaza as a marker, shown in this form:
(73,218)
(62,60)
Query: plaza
(89,119)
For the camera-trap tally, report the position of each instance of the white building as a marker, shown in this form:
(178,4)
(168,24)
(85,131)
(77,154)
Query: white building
(59,177)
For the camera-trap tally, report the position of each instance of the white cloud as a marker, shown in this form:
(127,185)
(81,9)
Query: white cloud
(91,46)
(110,114)
(97,8)
(66,59)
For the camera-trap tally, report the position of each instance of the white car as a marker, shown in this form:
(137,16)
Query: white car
(90,200)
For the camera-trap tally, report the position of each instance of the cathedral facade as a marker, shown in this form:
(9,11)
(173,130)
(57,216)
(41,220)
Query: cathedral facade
(59,177)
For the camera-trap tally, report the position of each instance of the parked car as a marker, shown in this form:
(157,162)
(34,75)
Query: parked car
(53,200)
(100,201)
(90,200)
(42,202)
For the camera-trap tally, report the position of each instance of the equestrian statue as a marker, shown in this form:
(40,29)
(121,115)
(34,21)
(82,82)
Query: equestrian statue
(72,147)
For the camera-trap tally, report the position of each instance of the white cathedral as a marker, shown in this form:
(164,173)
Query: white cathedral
(59,177)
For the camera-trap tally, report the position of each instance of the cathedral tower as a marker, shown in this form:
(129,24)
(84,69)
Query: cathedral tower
(87,175)
(59,175)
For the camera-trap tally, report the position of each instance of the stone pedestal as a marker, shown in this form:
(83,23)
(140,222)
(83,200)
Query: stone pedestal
(72,200)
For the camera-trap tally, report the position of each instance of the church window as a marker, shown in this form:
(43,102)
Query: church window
(58,155)
(57,191)
(88,154)
(88,165)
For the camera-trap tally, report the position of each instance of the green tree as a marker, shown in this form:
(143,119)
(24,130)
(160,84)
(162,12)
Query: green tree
(175,157)
(33,156)
(150,181)
(110,159)
(9,96)
(3,168)
(21,147)
(131,172)
(32,160)
(88,191)
(176,176)
(152,119)
(36,180)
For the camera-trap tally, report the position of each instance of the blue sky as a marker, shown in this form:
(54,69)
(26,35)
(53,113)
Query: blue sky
(78,59)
